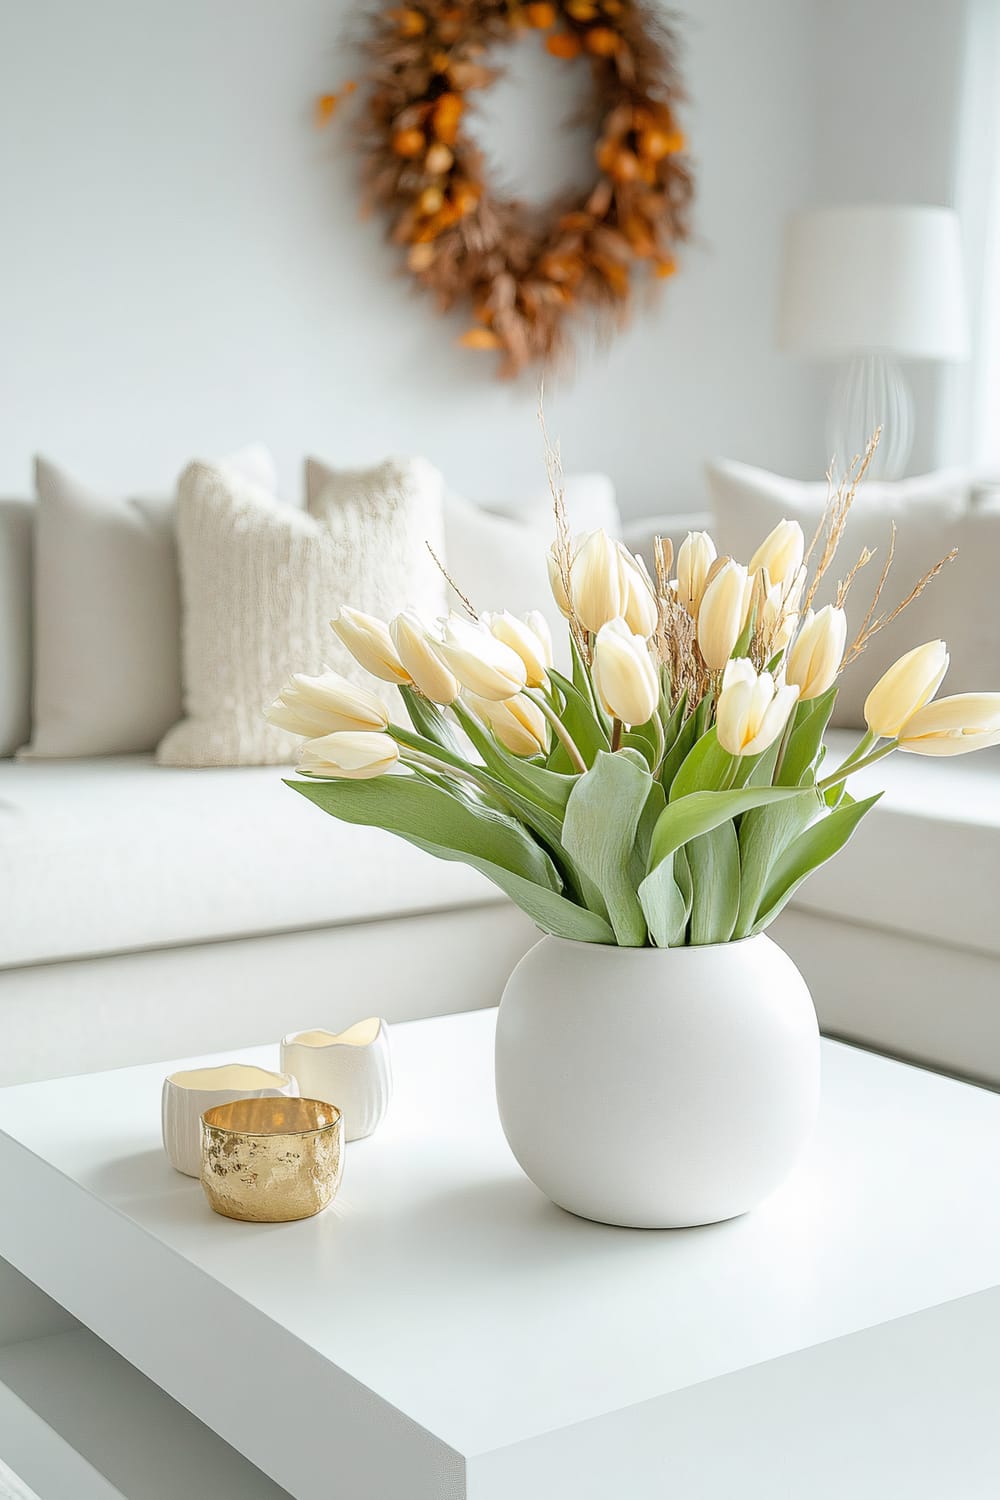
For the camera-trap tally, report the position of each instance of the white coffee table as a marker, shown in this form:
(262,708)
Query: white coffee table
(442,1331)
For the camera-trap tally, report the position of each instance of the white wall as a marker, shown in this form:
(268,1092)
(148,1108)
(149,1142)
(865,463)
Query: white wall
(183,266)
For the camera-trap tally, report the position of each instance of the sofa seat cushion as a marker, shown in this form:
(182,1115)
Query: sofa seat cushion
(114,853)
(925,860)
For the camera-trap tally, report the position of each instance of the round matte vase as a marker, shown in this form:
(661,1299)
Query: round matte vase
(657,1087)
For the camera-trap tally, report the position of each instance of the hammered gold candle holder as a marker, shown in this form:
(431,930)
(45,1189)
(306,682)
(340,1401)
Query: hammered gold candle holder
(271,1160)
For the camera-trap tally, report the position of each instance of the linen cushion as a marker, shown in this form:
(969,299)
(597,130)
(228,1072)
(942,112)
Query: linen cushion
(933,513)
(16,536)
(106,614)
(261,581)
(117,853)
(496,553)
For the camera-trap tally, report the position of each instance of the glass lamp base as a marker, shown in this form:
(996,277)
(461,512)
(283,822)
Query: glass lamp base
(871,392)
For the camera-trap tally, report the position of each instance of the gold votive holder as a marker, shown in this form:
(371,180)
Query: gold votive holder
(271,1160)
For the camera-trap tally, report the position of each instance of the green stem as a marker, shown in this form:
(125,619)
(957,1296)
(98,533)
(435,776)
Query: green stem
(851,765)
(786,735)
(731,773)
(421,758)
(867,743)
(661,741)
(439,758)
(559,728)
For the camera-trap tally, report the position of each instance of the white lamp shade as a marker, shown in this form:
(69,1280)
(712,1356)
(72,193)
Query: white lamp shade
(874,278)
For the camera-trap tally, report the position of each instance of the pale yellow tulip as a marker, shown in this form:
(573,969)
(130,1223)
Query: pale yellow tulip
(625,674)
(596,583)
(537,622)
(814,660)
(777,619)
(780,553)
(639,608)
(556,582)
(314,706)
(518,724)
(909,684)
(369,642)
(481,663)
(695,556)
(723,614)
(420,660)
(753,708)
(953,726)
(534,651)
(349,756)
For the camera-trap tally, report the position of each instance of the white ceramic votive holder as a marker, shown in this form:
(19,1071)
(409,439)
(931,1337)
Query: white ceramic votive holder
(188,1094)
(350,1069)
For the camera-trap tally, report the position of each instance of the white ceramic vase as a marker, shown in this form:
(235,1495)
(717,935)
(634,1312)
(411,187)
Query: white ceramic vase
(187,1095)
(350,1069)
(657,1087)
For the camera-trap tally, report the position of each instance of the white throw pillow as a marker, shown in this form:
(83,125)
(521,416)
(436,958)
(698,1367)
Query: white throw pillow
(498,563)
(933,513)
(496,553)
(107,676)
(590,505)
(260,582)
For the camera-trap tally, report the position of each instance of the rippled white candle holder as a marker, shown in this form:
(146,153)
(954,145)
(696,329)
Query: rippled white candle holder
(350,1069)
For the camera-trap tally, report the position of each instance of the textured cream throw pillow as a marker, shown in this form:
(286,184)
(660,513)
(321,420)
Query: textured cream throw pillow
(260,582)
(107,669)
(933,513)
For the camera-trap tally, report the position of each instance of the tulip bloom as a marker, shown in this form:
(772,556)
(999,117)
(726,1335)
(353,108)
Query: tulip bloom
(694,558)
(537,622)
(482,664)
(780,553)
(427,672)
(752,710)
(356,757)
(314,706)
(624,673)
(596,583)
(518,724)
(814,660)
(369,642)
(777,618)
(909,684)
(534,650)
(953,726)
(723,614)
(639,607)
(556,583)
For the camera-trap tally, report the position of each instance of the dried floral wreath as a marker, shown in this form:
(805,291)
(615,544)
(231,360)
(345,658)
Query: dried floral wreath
(523,272)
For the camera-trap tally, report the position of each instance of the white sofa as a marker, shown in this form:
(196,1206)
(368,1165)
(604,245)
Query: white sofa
(147,912)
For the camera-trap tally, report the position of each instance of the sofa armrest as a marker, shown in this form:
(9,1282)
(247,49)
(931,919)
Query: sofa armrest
(639,535)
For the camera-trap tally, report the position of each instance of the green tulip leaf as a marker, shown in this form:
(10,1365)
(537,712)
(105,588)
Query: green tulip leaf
(689,817)
(428,720)
(806,853)
(585,729)
(714,861)
(600,833)
(811,719)
(437,822)
(664,905)
(765,832)
(548,789)
(705,767)
(683,741)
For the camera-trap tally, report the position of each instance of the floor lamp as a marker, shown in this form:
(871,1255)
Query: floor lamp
(870,286)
